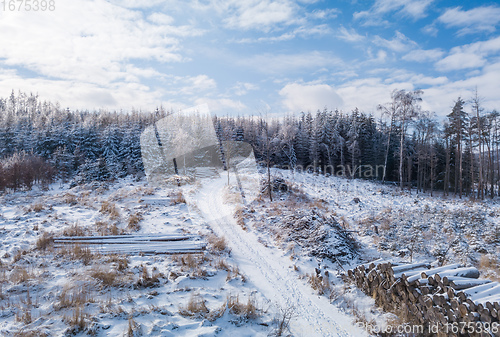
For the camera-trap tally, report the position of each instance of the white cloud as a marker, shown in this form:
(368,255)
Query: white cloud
(290,35)
(366,94)
(189,86)
(285,63)
(428,81)
(309,97)
(349,35)
(440,98)
(242,88)
(82,95)
(415,9)
(399,43)
(421,55)
(430,30)
(478,19)
(469,56)
(329,13)
(161,19)
(96,46)
(439,92)
(259,14)
(86,42)
(222,105)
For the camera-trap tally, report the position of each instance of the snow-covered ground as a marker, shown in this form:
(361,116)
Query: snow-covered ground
(271,272)
(271,264)
(47,291)
(410,225)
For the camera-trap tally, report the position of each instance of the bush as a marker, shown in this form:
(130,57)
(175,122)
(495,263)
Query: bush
(23,170)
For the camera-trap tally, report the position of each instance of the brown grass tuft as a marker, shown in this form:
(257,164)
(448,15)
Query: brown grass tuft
(79,321)
(246,311)
(218,244)
(44,241)
(319,283)
(105,276)
(177,198)
(239,215)
(36,207)
(133,221)
(104,228)
(109,208)
(195,307)
(20,275)
(74,230)
(74,296)
(69,198)
(147,281)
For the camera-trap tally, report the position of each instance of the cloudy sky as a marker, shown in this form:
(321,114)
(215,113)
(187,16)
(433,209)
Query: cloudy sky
(252,56)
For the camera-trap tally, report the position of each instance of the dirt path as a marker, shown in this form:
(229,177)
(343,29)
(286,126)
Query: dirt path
(270,272)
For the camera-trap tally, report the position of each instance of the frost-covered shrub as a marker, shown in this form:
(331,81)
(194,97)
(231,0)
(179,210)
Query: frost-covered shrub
(319,235)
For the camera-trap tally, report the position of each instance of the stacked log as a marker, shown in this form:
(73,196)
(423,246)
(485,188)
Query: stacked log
(446,301)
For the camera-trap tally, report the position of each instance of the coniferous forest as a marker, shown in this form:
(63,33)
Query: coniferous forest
(457,154)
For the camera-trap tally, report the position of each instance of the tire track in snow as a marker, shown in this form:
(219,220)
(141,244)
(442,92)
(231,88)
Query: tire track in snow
(270,272)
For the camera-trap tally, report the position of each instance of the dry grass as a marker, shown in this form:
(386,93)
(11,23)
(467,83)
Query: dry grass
(109,209)
(234,272)
(148,191)
(20,275)
(118,262)
(74,230)
(36,207)
(319,283)
(69,198)
(78,321)
(44,241)
(231,195)
(146,280)
(239,215)
(177,198)
(246,311)
(177,180)
(489,267)
(133,221)
(77,252)
(195,307)
(133,328)
(221,264)
(23,315)
(282,321)
(30,333)
(104,275)
(83,253)
(74,296)
(19,255)
(217,244)
(190,261)
(104,228)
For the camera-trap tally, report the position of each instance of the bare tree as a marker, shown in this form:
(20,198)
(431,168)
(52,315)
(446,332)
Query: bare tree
(404,108)
(476,107)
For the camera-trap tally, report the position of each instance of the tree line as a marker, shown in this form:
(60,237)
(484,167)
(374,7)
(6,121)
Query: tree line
(404,145)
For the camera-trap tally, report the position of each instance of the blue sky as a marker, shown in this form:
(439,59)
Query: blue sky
(253,56)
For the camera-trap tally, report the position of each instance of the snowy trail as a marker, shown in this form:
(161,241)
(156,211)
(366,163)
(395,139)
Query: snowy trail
(270,272)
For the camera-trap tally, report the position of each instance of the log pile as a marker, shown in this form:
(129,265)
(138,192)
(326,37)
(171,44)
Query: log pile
(451,297)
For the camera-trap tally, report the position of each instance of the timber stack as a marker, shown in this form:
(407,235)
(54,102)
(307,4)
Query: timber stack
(451,297)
